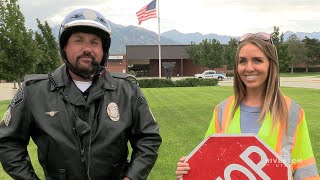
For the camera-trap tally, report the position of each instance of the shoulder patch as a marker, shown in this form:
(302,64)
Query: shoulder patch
(18,97)
(31,78)
(125,76)
(7,117)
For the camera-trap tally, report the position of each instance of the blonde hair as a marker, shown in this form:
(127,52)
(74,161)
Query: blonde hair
(273,100)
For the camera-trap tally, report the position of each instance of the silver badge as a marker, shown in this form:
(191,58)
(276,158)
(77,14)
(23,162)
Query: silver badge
(7,117)
(52,113)
(113,111)
(90,15)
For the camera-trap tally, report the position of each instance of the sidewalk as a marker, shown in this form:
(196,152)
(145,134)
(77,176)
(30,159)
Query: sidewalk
(300,82)
(7,91)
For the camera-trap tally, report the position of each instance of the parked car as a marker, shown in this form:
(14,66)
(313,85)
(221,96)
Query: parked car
(211,74)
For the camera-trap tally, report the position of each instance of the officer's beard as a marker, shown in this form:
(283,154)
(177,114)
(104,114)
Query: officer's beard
(86,71)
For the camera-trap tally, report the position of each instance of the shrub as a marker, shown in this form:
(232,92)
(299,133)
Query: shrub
(208,82)
(155,83)
(192,82)
(188,82)
(230,73)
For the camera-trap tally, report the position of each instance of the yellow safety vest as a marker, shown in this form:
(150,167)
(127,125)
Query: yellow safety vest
(294,145)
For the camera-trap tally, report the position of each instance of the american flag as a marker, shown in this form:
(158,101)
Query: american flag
(147,12)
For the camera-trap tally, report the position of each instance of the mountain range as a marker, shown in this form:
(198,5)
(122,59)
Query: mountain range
(133,35)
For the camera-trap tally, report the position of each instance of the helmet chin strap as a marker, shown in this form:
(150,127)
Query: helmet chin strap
(100,68)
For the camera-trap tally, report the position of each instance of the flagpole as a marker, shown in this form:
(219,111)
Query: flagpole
(159,41)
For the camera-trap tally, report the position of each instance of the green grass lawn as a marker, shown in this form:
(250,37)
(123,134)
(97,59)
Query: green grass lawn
(184,115)
(299,74)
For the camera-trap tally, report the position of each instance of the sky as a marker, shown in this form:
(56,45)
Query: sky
(222,17)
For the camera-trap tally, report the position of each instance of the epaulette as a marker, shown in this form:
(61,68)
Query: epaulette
(125,76)
(31,78)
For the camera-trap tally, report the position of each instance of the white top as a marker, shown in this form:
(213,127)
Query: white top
(82,85)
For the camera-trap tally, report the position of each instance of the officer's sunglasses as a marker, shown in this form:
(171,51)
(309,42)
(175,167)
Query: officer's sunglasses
(260,35)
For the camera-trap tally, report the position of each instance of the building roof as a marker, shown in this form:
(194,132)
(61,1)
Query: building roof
(152,52)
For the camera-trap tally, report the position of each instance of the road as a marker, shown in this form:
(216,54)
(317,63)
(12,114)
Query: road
(7,91)
(302,82)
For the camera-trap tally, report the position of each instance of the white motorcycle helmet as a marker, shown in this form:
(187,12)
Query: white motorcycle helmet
(87,21)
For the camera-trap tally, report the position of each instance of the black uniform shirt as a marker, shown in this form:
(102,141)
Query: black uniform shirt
(47,110)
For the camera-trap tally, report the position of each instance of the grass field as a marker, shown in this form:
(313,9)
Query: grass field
(184,115)
(299,74)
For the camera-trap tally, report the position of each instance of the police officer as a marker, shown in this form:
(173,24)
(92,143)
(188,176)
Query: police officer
(80,117)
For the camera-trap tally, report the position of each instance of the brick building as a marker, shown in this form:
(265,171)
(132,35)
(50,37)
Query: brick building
(117,63)
(144,60)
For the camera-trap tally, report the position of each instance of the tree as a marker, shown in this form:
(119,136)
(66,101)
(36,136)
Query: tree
(16,43)
(313,51)
(297,50)
(208,53)
(2,62)
(230,53)
(193,51)
(282,50)
(48,58)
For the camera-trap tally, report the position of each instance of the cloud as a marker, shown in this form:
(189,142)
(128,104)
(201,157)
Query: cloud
(228,17)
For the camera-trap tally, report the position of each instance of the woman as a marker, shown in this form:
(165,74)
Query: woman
(259,107)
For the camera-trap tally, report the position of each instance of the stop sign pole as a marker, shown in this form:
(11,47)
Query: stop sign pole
(230,157)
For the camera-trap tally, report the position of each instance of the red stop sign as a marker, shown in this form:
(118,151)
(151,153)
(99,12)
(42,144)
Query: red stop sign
(225,157)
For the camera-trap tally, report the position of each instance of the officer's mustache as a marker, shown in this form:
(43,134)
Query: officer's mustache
(96,66)
(94,61)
